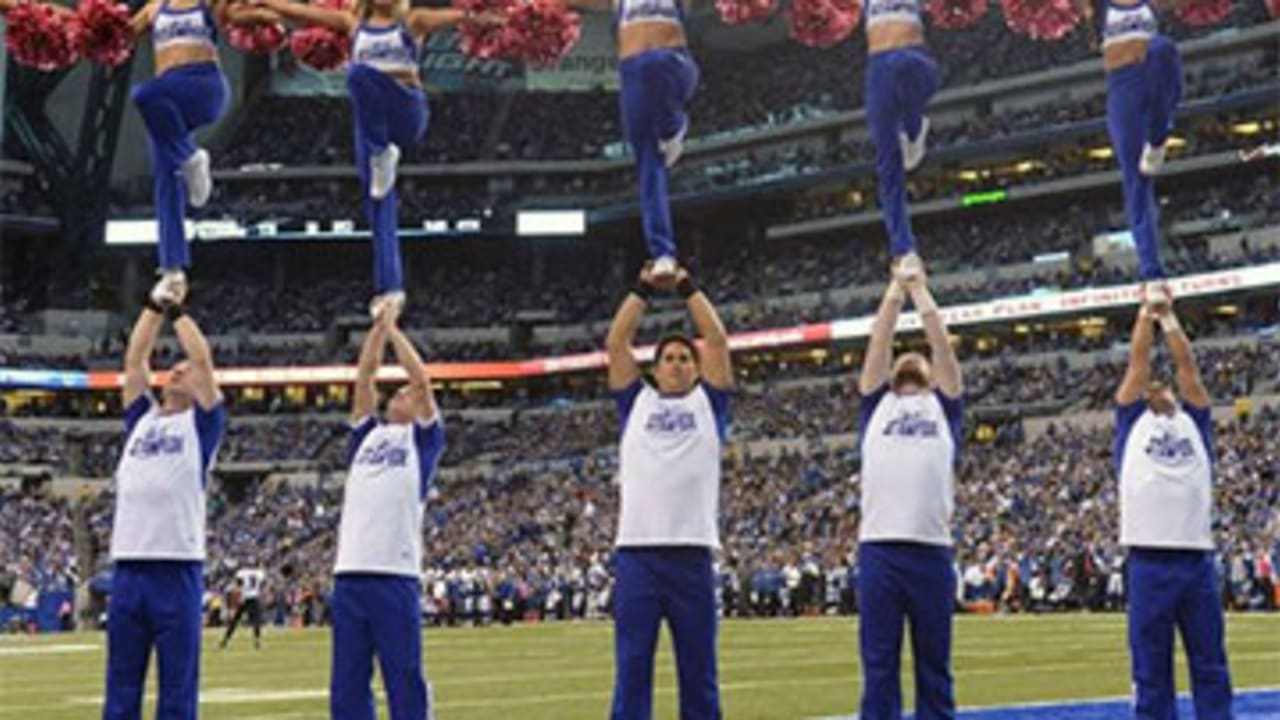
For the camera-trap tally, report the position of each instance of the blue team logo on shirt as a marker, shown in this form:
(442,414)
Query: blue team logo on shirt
(651,8)
(184,26)
(396,53)
(156,442)
(671,421)
(385,453)
(1170,450)
(912,424)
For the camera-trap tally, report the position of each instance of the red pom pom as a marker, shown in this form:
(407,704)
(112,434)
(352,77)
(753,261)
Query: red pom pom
(1198,13)
(320,48)
(258,38)
(545,31)
(736,12)
(40,37)
(103,31)
(486,39)
(955,14)
(1273,7)
(823,23)
(1041,19)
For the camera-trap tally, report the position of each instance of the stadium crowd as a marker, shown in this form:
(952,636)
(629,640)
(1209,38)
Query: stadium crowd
(1035,529)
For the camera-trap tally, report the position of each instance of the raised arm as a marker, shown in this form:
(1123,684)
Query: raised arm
(200,358)
(717,368)
(1186,372)
(300,12)
(1137,376)
(623,369)
(946,367)
(878,363)
(137,356)
(409,359)
(591,5)
(141,21)
(364,397)
(241,12)
(425,21)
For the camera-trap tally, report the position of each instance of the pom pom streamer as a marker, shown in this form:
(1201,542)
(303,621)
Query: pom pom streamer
(41,37)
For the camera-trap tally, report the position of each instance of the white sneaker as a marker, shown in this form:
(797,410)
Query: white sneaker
(199,182)
(1157,294)
(170,288)
(909,269)
(673,147)
(913,150)
(390,301)
(664,268)
(384,171)
(1152,159)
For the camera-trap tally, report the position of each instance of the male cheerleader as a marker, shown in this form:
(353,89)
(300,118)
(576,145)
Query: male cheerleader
(910,425)
(1164,456)
(673,430)
(157,536)
(249,581)
(378,576)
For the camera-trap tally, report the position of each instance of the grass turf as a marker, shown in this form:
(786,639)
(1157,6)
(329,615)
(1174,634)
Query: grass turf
(769,670)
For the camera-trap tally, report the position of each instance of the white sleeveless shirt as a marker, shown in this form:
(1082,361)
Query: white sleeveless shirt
(910,446)
(1134,22)
(669,466)
(388,49)
(1166,477)
(883,11)
(646,11)
(392,467)
(160,479)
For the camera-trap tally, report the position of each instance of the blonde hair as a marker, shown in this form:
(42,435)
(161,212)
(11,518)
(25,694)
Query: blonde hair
(364,7)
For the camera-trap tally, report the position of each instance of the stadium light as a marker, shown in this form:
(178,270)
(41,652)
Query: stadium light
(1253,127)
(1101,153)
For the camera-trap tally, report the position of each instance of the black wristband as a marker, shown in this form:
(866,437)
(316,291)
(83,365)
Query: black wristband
(153,306)
(173,312)
(687,287)
(642,290)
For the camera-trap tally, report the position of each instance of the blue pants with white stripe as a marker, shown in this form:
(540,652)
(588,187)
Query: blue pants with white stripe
(656,85)
(154,604)
(911,582)
(386,111)
(1141,99)
(173,105)
(899,84)
(376,614)
(1176,589)
(676,584)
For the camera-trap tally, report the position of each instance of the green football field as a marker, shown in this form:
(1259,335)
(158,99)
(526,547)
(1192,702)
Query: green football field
(775,670)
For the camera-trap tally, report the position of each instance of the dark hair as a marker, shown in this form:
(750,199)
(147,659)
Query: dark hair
(678,338)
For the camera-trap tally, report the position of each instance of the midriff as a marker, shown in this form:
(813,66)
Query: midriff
(1126,52)
(639,37)
(893,35)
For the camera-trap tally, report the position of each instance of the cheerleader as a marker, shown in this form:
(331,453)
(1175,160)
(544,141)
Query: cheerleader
(900,80)
(1144,87)
(188,92)
(390,108)
(658,77)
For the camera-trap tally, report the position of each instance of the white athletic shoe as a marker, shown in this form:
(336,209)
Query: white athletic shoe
(673,147)
(199,182)
(1157,294)
(1152,160)
(169,289)
(913,150)
(664,268)
(390,301)
(909,269)
(384,171)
